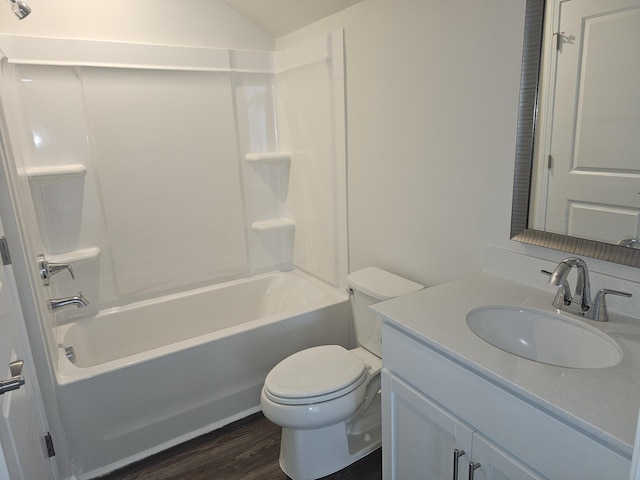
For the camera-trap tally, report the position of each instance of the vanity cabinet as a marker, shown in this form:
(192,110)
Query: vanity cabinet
(433,405)
(424,441)
(422,437)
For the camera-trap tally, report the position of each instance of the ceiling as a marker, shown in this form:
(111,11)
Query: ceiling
(279,17)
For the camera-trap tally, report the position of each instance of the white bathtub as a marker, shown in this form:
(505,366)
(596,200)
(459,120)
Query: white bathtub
(154,374)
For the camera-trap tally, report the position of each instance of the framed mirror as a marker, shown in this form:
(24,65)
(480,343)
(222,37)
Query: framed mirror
(525,142)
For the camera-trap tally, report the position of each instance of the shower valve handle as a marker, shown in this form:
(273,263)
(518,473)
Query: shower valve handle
(48,269)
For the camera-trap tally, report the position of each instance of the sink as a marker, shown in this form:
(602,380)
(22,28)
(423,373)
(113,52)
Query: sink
(544,337)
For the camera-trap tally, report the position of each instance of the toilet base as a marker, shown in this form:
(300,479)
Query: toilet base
(315,453)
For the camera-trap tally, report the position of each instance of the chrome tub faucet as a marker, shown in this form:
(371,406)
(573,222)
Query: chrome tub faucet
(58,303)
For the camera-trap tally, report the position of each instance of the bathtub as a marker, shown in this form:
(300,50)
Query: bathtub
(157,373)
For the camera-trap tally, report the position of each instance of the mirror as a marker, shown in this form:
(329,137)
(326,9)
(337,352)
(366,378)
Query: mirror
(526,134)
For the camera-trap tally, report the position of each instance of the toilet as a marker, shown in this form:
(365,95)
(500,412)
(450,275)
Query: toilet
(327,398)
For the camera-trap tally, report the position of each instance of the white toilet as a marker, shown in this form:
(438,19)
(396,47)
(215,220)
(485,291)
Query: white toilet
(327,398)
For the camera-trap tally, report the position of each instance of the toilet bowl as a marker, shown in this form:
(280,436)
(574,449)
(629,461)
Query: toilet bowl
(327,398)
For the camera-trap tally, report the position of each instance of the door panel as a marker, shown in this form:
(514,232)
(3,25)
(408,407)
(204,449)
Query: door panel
(595,171)
(22,423)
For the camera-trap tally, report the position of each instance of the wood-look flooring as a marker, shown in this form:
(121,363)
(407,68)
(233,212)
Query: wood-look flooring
(244,450)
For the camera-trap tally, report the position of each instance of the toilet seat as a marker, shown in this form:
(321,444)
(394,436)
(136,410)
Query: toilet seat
(314,375)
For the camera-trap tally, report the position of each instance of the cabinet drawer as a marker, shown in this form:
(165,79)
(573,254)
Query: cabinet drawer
(545,443)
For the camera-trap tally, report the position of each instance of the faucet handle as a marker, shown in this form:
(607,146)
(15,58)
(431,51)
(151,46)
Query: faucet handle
(48,269)
(599,307)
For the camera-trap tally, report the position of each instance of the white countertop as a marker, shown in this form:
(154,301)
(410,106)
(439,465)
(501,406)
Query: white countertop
(601,402)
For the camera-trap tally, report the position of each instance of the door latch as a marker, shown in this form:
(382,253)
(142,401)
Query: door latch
(16,380)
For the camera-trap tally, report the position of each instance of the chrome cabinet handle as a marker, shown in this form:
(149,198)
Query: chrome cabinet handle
(472,469)
(16,380)
(456,455)
(48,270)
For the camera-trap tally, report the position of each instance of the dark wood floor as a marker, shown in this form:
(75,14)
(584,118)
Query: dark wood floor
(247,449)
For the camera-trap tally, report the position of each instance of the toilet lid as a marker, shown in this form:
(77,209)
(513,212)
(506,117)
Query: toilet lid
(315,374)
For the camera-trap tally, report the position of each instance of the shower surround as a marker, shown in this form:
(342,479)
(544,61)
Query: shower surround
(157,171)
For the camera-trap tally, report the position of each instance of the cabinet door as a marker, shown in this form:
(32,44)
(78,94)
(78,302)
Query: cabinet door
(419,437)
(496,464)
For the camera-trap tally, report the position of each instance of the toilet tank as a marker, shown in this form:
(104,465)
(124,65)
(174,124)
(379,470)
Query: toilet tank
(372,285)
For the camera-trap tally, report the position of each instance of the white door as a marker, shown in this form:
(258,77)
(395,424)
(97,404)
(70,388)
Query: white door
(594,178)
(22,425)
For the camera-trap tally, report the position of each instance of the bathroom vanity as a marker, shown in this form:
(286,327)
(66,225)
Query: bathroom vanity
(455,406)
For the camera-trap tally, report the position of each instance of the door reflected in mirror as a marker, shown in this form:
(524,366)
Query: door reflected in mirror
(586,171)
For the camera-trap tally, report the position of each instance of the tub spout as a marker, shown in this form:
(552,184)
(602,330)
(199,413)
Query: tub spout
(58,303)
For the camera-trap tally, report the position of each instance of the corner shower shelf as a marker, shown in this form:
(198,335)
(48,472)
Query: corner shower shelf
(275,159)
(48,175)
(276,225)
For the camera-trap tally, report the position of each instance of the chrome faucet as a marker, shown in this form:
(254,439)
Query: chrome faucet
(57,303)
(630,242)
(581,299)
(48,269)
(580,303)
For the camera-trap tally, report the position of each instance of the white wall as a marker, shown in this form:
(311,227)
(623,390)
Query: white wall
(432,100)
(191,22)
(432,95)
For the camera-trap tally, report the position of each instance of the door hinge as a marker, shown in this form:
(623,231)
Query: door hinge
(48,441)
(4,251)
(550,162)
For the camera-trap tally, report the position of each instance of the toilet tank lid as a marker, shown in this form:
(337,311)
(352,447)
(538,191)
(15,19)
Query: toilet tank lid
(381,284)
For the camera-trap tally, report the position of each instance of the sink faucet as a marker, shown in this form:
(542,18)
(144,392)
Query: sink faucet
(580,303)
(57,303)
(631,242)
(582,297)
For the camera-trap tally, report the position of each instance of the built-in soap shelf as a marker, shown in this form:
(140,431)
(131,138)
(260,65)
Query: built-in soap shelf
(275,159)
(275,225)
(275,236)
(48,175)
(58,196)
(74,256)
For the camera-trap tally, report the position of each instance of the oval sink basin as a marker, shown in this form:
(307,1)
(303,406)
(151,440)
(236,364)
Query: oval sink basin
(544,336)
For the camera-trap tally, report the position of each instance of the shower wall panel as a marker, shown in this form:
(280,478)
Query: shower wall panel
(167,162)
(52,110)
(152,168)
(266,184)
(314,125)
(53,155)
(156,188)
